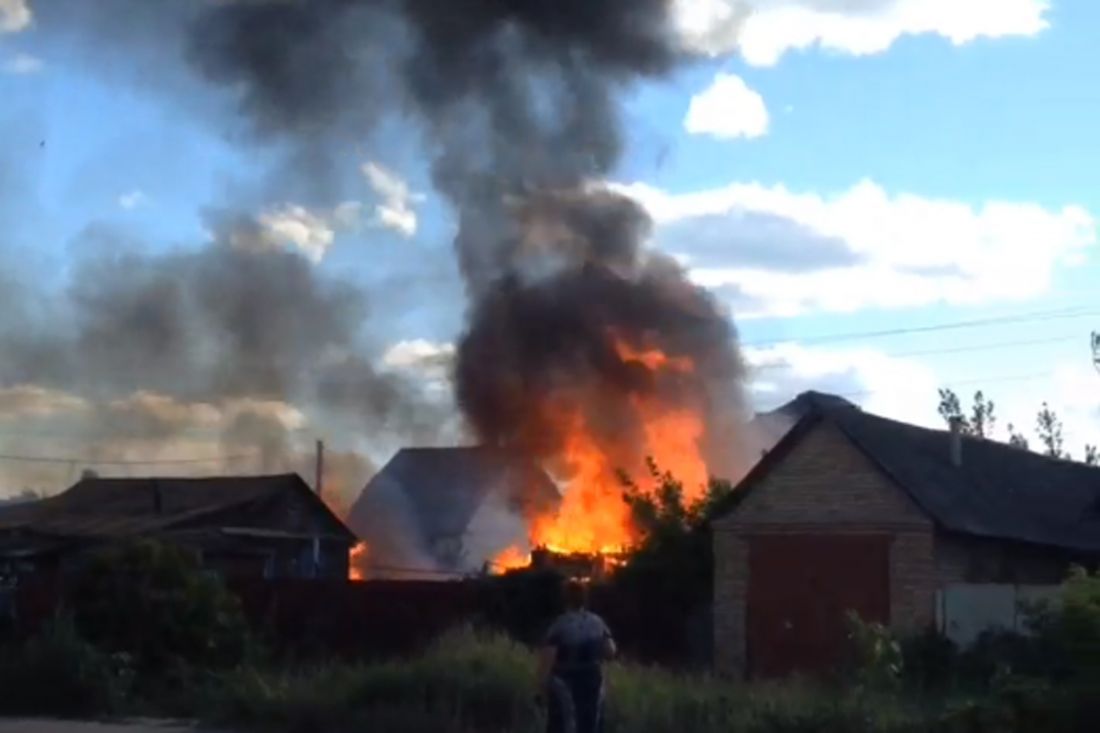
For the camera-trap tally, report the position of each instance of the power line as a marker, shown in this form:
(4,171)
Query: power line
(948,326)
(956,350)
(956,383)
(152,462)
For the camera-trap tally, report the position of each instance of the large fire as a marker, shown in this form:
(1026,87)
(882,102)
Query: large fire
(592,517)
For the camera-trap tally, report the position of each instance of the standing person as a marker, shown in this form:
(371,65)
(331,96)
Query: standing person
(570,665)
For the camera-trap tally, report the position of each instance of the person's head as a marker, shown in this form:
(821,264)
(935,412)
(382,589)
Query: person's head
(576,595)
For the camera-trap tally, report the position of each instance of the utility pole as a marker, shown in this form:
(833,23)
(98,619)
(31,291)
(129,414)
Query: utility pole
(318,479)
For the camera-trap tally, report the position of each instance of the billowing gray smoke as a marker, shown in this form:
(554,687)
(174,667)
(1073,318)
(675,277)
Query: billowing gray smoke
(158,347)
(516,104)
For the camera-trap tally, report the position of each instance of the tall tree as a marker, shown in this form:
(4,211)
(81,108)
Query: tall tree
(950,409)
(1092,455)
(982,417)
(1049,428)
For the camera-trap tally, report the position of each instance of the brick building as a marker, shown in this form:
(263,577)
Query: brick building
(904,525)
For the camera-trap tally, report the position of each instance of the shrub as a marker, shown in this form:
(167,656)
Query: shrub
(876,654)
(155,603)
(57,673)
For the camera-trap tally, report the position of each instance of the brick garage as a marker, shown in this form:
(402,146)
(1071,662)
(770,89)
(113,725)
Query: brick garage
(853,511)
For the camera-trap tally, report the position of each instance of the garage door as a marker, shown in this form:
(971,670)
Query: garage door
(800,588)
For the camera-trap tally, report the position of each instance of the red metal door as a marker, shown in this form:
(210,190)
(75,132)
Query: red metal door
(800,588)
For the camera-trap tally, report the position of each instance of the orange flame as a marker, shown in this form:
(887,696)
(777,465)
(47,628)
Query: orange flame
(512,558)
(357,562)
(592,516)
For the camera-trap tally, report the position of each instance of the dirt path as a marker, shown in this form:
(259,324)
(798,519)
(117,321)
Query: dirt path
(65,726)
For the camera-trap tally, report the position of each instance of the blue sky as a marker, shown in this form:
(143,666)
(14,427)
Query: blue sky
(943,175)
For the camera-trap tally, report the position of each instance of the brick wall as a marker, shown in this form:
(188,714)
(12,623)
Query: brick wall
(824,484)
(976,560)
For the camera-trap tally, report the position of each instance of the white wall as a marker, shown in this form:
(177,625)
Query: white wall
(965,610)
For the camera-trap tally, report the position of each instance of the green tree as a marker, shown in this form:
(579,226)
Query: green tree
(950,410)
(982,419)
(155,603)
(670,570)
(1092,455)
(1049,428)
(982,416)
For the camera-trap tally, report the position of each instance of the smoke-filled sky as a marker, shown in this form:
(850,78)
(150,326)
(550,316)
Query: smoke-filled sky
(822,167)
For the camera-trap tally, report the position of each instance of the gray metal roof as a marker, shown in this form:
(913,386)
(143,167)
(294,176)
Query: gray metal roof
(998,491)
(445,486)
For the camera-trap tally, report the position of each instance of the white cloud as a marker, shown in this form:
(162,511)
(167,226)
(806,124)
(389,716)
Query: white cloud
(295,226)
(22,64)
(1074,394)
(145,408)
(417,352)
(132,200)
(291,226)
(429,362)
(726,109)
(396,209)
(15,15)
(907,389)
(762,31)
(898,388)
(864,247)
(30,400)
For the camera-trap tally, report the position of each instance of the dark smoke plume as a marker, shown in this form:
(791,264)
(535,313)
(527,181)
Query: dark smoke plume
(516,104)
(518,101)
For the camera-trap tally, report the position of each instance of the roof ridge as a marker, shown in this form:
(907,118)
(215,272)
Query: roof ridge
(999,444)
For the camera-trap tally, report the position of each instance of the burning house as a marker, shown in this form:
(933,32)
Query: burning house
(449,509)
(242,526)
(583,350)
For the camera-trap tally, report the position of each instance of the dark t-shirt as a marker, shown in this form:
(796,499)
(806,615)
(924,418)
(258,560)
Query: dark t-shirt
(580,638)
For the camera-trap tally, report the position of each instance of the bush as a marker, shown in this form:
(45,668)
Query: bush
(475,682)
(155,603)
(876,655)
(57,673)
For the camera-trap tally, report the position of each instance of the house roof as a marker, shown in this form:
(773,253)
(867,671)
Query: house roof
(118,507)
(446,486)
(998,490)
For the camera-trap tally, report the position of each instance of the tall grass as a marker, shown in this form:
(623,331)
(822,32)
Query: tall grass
(470,682)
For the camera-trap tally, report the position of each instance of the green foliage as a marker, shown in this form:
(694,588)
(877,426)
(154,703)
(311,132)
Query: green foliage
(57,673)
(675,543)
(1049,427)
(471,682)
(669,573)
(982,419)
(155,603)
(1068,629)
(878,661)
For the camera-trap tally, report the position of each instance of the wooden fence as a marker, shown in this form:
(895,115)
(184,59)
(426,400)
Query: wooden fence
(380,619)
